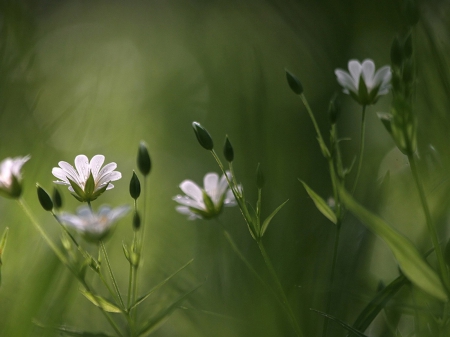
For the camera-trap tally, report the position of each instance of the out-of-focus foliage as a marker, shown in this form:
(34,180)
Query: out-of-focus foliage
(97,77)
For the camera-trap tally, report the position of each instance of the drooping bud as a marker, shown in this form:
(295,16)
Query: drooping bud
(294,83)
(136,221)
(203,136)
(57,199)
(44,199)
(135,186)
(259,177)
(228,151)
(143,159)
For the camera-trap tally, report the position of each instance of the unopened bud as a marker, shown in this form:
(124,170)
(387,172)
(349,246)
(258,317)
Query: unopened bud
(228,151)
(57,199)
(396,53)
(143,159)
(203,136)
(294,83)
(44,198)
(135,186)
(136,221)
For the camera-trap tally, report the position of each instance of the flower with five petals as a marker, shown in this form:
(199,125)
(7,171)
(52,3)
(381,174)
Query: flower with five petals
(89,180)
(11,177)
(363,83)
(207,202)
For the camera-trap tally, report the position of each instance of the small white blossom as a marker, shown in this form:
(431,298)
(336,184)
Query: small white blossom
(93,226)
(207,202)
(373,84)
(89,180)
(11,177)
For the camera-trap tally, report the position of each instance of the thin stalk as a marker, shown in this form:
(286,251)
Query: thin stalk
(431,227)
(130,283)
(279,287)
(311,115)
(361,147)
(111,274)
(134,277)
(55,249)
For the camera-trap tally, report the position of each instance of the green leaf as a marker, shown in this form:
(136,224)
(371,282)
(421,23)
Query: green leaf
(270,217)
(2,249)
(344,325)
(163,315)
(378,303)
(69,331)
(321,205)
(159,285)
(100,302)
(411,262)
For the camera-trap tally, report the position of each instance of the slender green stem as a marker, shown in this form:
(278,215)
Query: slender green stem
(279,287)
(311,115)
(130,284)
(430,224)
(34,221)
(361,147)
(111,274)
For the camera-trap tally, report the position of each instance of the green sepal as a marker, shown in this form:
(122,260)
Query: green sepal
(203,136)
(79,193)
(44,199)
(155,322)
(100,191)
(101,302)
(126,252)
(159,285)
(412,264)
(266,222)
(321,204)
(210,207)
(90,185)
(294,83)
(363,94)
(342,323)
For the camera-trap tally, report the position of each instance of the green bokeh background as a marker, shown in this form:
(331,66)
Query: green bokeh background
(97,77)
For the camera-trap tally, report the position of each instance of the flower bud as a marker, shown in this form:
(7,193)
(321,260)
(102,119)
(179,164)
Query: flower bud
(143,159)
(203,136)
(57,199)
(136,221)
(44,198)
(396,53)
(259,177)
(228,151)
(294,83)
(334,109)
(135,186)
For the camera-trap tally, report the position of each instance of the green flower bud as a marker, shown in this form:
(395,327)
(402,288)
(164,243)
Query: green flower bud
(135,186)
(143,159)
(334,108)
(136,221)
(259,177)
(57,199)
(228,151)
(203,136)
(396,53)
(294,83)
(44,198)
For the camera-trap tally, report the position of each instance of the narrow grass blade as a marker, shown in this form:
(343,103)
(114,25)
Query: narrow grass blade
(162,316)
(378,303)
(159,285)
(100,302)
(270,217)
(320,204)
(69,331)
(2,249)
(347,327)
(412,264)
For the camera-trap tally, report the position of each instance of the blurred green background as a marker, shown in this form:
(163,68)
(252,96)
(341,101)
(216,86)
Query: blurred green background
(96,77)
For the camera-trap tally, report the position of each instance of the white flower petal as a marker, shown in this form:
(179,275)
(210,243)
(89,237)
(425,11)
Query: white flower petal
(382,76)
(70,172)
(192,190)
(345,80)
(82,166)
(354,67)
(96,163)
(186,211)
(107,169)
(210,182)
(183,200)
(368,69)
(60,174)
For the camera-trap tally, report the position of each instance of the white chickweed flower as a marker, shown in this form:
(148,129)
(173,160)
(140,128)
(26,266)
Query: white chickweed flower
(363,83)
(11,177)
(88,181)
(207,202)
(93,226)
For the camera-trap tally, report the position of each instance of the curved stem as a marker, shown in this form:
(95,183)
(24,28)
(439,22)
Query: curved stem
(361,148)
(279,287)
(111,274)
(431,227)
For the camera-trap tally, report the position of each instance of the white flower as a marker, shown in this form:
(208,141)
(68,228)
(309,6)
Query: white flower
(93,226)
(88,181)
(373,84)
(208,202)
(11,177)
